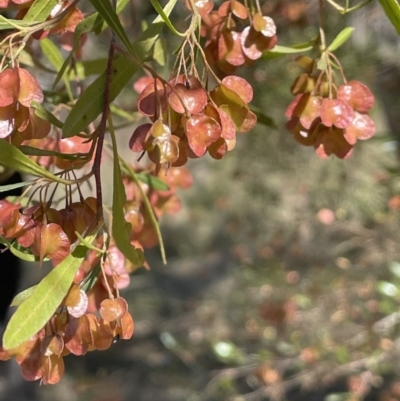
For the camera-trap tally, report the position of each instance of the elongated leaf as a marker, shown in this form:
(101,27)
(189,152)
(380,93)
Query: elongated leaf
(6,23)
(26,58)
(34,313)
(13,158)
(280,51)
(89,67)
(153,182)
(31,151)
(392,11)
(43,113)
(23,253)
(341,38)
(93,23)
(165,18)
(52,53)
(50,50)
(131,116)
(5,188)
(16,249)
(160,52)
(262,118)
(22,296)
(88,244)
(90,104)
(91,279)
(105,9)
(40,10)
(121,229)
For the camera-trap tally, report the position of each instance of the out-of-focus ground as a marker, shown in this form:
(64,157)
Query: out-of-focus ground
(283,275)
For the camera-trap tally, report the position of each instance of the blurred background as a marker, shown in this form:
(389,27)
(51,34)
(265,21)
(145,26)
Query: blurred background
(283,274)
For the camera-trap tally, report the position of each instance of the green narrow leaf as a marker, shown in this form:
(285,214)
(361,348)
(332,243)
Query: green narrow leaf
(35,312)
(105,9)
(100,25)
(23,253)
(5,188)
(263,119)
(43,113)
(31,151)
(90,104)
(280,51)
(22,296)
(160,52)
(52,53)
(13,158)
(392,11)
(341,38)
(121,229)
(16,249)
(129,116)
(40,10)
(26,58)
(6,23)
(165,18)
(91,279)
(93,23)
(88,244)
(89,67)
(153,182)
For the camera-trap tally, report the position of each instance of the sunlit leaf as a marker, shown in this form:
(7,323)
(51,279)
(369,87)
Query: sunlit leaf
(22,296)
(19,251)
(50,50)
(91,103)
(165,18)
(6,23)
(89,67)
(392,11)
(96,23)
(341,38)
(5,188)
(153,182)
(160,52)
(280,51)
(41,112)
(93,23)
(40,10)
(105,9)
(32,315)
(13,158)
